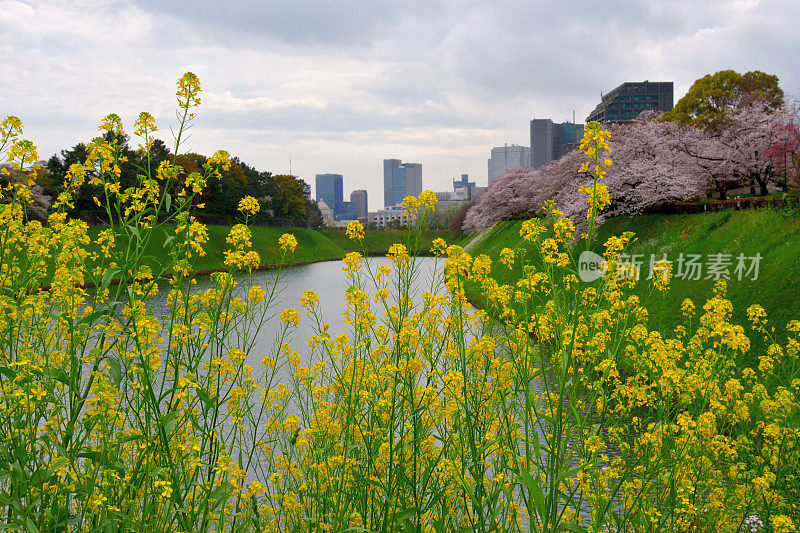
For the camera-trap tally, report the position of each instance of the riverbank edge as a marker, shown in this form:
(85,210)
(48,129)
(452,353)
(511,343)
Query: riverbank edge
(203,272)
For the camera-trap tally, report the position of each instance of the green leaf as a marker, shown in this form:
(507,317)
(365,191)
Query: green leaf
(534,490)
(92,317)
(572,527)
(108,275)
(202,393)
(567,473)
(58,374)
(114,369)
(168,421)
(405,514)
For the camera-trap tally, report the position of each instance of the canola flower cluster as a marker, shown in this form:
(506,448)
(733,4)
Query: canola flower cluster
(553,407)
(595,144)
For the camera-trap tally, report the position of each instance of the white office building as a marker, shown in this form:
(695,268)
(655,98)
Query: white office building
(508,157)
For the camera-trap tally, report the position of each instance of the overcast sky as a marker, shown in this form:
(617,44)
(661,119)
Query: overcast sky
(340,85)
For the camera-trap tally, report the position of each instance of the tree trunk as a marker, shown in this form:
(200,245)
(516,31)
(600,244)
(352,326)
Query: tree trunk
(762,184)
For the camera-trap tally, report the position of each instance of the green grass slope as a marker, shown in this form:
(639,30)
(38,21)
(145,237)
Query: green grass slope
(311,246)
(379,241)
(775,234)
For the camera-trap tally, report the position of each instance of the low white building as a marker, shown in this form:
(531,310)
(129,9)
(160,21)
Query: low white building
(327,212)
(385,216)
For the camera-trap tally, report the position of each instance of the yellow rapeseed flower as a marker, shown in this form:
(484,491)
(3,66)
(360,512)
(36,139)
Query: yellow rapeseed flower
(288,242)
(290,316)
(255,294)
(355,230)
(428,200)
(112,123)
(309,300)
(352,263)
(531,229)
(398,253)
(188,91)
(439,247)
(507,257)
(144,125)
(249,205)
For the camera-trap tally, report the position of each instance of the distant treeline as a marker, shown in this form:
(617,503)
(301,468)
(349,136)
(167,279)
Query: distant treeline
(285,200)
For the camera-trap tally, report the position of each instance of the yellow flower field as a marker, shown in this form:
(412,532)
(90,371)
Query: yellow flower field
(564,412)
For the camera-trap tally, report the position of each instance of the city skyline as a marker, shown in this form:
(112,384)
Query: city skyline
(351,89)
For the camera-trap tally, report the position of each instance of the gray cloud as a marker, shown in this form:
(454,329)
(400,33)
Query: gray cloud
(295,22)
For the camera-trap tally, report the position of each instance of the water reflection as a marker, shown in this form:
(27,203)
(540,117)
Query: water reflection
(326,279)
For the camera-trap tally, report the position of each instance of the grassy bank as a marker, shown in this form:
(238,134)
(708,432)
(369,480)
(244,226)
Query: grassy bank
(774,234)
(312,245)
(379,241)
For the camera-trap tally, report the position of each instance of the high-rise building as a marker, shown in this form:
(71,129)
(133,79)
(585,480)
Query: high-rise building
(358,204)
(463,183)
(551,141)
(631,98)
(507,157)
(330,188)
(400,180)
(463,191)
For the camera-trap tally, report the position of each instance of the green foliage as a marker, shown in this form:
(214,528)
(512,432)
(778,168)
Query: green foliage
(290,200)
(775,234)
(285,197)
(714,96)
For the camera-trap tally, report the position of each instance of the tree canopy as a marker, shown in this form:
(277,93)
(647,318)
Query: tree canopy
(657,162)
(712,98)
(281,197)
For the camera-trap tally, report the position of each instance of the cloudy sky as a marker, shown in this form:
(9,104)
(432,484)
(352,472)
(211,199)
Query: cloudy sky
(340,85)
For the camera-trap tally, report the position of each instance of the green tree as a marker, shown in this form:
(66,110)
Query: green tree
(314,215)
(714,96)
(260,184)
(290,199)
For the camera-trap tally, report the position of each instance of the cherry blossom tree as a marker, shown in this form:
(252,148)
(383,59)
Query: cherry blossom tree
(749,140)
(521,192)
(656,162)
(650,168)
(40,202)
(785,151)
(750,148)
